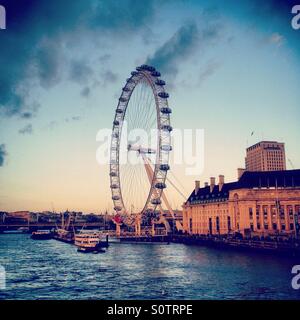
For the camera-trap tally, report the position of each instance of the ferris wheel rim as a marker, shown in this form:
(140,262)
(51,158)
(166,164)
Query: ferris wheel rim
(151,76)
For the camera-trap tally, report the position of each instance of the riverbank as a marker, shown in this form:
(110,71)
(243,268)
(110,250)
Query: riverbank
(287,248)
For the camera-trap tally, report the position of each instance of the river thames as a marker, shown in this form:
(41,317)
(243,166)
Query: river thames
(55,270)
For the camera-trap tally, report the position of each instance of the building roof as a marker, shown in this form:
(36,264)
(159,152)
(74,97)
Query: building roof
(262,143)
(267,179)
(249,180)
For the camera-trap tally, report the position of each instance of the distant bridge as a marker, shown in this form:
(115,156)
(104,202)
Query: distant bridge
(47,225)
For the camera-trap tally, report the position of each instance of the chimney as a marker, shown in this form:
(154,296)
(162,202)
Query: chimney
(205,184)
(240,172)
(212,183)
(197,186)
(221,182)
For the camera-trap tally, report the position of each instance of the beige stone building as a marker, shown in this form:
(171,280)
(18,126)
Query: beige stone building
(266,156)
(259,203)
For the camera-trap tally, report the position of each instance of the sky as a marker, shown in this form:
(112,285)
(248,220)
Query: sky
(231,68)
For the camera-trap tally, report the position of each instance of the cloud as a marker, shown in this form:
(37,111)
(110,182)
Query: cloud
(37,30)
(47,62)
(74,118)
(85,92)
(3,154)
(51,125)
(104,58)
(26,130)
(32,46)
(28,114)
(109,76)
(177,47)
(124,16)
(80,71)
(106,77)
(186,40)
(25,54)
(209,69)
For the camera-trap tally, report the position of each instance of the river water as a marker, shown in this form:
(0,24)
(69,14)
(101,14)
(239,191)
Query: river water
(55,270)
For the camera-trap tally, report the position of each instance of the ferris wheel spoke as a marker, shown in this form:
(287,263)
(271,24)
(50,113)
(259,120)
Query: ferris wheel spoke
(128,185)
(140,106)
(128,110)
(145,100)
(150,125)
(149,106)
(148,111)
(130,115)
(131,111)
(136,107)
(134,103)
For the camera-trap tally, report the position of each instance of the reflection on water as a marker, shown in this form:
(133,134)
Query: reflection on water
(54,270)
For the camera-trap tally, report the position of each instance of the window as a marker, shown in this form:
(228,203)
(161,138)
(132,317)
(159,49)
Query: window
(258,226)
(250,213)
(210,225)
(218,224)
(274,212)
(228,223)
(257,212)
(281,210)
(265,210)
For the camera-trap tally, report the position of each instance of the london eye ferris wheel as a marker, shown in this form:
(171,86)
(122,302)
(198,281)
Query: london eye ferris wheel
(138,171)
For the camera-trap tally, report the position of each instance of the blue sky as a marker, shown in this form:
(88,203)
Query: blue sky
(231,68)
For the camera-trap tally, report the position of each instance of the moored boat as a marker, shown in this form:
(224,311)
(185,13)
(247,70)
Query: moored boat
(24,230)
(41,235)
(66,232)
(64,235)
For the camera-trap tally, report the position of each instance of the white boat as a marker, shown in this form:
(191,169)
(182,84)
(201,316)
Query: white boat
(90,241)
